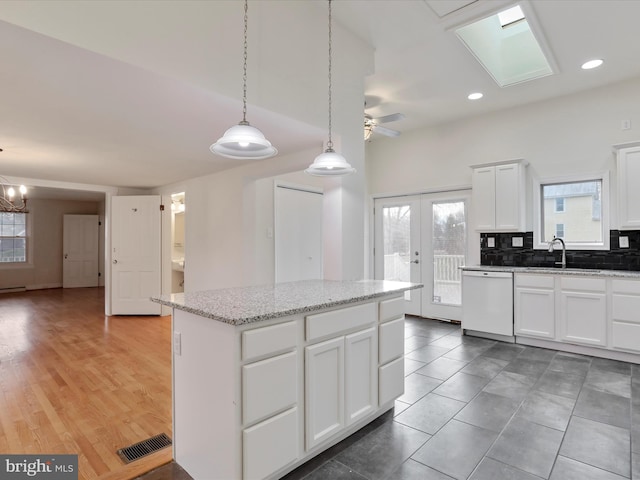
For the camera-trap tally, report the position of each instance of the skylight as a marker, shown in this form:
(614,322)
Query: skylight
(506,47)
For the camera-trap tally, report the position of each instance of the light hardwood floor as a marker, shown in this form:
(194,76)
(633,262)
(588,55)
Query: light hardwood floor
(75,381)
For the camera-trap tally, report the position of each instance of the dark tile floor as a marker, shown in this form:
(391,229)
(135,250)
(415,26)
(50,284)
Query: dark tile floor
(483,410)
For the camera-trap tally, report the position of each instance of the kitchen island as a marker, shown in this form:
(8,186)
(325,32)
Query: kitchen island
(265,378)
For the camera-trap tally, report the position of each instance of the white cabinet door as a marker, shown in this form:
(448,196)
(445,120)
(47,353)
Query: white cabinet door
(361,374)
(535,312)
(628,162)
(324,390)
(484,198)
(625,319)
(269,386)
(391,378)
(508,197)
(270,445)
(534,305)
(583,317)
(391,340)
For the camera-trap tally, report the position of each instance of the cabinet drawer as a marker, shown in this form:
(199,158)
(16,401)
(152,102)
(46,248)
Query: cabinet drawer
(270,445)
(269,386)
(626,286)
(535,281)
(390,381)
(626,336)
(391,309)
(266,340)
(337,321)
(391,340)
(583,284)
(626,308)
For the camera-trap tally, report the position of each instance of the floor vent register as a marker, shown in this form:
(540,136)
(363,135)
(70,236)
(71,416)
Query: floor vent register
(144,448)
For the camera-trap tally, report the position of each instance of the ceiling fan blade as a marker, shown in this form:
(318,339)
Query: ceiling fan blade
(394,117)
(385,131)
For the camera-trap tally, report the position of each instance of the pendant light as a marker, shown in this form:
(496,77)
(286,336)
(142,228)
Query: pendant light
(330,163)
(242,141)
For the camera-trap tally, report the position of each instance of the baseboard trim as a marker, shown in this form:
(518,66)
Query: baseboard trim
(43,286)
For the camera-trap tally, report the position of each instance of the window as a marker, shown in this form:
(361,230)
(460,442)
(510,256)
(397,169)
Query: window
(13,237)
(574,209)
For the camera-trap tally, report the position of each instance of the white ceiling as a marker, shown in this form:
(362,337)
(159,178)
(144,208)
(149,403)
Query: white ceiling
(108,93)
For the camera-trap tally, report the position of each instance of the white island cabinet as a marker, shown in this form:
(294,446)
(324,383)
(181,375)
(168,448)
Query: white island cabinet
(264,378)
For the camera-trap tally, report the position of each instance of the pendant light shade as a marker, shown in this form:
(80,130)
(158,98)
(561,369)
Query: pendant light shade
(242,141)
(330,163)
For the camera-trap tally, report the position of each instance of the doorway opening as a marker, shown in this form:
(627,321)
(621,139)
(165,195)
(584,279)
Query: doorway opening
(177,241)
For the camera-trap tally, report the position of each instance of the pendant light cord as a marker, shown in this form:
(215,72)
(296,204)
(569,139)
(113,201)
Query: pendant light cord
(330,143)
(244,75)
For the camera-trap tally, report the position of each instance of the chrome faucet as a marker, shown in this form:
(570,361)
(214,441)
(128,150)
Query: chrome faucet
(564,251)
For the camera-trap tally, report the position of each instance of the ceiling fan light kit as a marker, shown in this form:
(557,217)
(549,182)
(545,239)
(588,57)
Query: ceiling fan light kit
(330,163)
(242,141)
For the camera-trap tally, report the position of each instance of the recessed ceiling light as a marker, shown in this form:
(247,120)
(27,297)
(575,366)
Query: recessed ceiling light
(592,64)
(475,96)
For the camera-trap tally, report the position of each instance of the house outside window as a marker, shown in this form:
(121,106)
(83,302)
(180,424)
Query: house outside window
(573,208)
(13,237)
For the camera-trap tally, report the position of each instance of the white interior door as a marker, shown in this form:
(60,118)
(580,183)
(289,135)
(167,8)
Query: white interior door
(298,234)
(397,245)
(444,234)
(135,254)
(80,245)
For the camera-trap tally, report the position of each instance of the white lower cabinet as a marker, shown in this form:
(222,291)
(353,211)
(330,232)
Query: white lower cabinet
(341,383)
(534,305)
(391,378)
(583,311)
(270,445)
(625,315)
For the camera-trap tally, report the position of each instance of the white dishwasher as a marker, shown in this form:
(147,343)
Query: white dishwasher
(487,303)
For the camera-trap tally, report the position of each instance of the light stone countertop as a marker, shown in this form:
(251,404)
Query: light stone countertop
(556,271)
(242,305)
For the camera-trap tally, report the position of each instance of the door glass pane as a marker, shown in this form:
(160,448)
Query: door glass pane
(396,236)
(449,241)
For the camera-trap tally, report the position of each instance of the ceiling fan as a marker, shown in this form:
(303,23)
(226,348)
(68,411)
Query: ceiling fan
(372,125)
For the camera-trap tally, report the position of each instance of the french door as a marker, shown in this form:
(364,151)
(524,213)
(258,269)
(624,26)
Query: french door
(397,245)
(423,239)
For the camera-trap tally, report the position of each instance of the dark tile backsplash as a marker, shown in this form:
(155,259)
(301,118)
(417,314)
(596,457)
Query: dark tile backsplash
(503,254)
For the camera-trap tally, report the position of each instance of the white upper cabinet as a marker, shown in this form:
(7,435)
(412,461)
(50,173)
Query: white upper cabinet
(628,161)
(498,196)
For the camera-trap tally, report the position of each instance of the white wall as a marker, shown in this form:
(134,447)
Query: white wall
(564,136)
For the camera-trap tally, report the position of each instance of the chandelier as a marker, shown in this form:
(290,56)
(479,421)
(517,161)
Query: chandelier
(8,201)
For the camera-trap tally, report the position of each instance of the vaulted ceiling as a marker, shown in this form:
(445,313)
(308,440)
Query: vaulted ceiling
(133,93)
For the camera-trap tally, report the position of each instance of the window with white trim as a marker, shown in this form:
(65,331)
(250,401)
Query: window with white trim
(13,237)
(574,209)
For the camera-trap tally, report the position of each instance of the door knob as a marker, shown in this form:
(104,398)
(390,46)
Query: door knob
(115,261)
(66,255)
(415,261)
